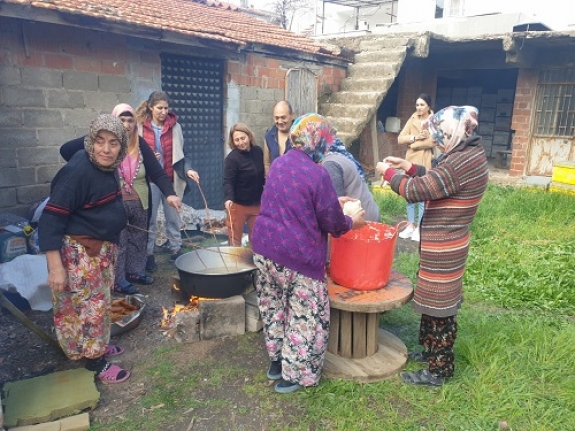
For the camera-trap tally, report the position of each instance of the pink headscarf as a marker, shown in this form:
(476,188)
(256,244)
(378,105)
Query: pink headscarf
(128,169)
(124,108)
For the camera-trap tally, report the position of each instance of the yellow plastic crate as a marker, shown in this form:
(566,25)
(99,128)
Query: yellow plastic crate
(562,188)
(564,173)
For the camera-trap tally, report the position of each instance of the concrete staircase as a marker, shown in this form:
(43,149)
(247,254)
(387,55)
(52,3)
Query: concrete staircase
(369,78)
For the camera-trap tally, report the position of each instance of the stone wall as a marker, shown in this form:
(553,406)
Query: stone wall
(55,79)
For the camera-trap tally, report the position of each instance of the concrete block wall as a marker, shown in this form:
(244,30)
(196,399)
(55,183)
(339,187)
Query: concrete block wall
(523,115)
(255,83)
(54,81)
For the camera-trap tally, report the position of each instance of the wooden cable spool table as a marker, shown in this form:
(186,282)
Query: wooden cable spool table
(358,349)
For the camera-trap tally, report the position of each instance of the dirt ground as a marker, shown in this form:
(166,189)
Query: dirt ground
(23,354)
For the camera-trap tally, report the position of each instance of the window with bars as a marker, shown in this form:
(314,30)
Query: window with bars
(556,103)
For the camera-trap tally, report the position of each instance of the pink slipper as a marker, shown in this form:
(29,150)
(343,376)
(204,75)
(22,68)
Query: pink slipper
(111,374)
(114,350)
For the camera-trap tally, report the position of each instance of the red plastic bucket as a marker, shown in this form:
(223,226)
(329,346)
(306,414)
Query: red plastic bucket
(362,259)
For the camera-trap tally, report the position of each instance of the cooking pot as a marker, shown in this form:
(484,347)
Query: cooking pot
(216,272)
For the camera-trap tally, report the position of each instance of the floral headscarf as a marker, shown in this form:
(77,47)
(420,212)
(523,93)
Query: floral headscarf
(111,124)
(313,134)
(449,126)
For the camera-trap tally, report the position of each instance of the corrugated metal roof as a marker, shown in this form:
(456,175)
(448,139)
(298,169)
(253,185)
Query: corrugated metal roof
(204,19)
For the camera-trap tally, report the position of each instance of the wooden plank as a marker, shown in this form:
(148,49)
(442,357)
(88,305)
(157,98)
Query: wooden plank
(397,292)
(390,358)
(345,334)
(372,330)
(333,341)
(359,343)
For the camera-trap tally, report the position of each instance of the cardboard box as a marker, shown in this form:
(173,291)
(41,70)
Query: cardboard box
(485,128)
(486,115)
(502,123)
(501,139)
(13,243)
(504,110)
(505,95)
(474,91)
(488,100)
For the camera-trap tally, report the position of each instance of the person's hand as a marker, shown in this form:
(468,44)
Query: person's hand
(343,199)
(175,202)
(422,136)
(381,167)
(397,163)
(57,275)
(228,205)
(158,156)
(358,220)
(193,175)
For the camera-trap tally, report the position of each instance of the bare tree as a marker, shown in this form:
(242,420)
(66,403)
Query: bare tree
(288,10)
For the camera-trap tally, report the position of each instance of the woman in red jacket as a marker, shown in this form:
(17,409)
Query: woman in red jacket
(160,129)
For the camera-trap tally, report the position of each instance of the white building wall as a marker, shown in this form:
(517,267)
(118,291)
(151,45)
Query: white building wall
(415,10)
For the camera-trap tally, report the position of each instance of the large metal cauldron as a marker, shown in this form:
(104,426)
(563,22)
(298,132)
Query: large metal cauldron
(216,272)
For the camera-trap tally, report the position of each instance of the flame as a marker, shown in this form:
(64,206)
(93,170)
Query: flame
(168,321)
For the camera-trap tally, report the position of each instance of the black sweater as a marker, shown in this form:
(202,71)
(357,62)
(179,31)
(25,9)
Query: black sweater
(244,176)
(84,200)
(154,171)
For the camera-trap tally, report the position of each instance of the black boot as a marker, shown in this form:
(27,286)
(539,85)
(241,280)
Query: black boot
(151,264)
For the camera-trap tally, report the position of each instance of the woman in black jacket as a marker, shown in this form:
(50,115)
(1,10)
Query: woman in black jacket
(244,178)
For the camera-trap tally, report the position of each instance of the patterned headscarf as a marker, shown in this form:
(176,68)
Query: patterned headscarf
(111,124)
(449,126)
(313,134)
(339,147)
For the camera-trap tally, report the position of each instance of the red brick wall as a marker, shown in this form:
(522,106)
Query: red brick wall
(264,72)
(523,115)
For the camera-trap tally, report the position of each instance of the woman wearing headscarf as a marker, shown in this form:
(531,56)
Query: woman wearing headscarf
(79,230)
(299,208)
(348,178)
(138,169)
(452,192)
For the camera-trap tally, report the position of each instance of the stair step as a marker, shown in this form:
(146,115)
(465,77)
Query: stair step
(379,56)
(339,109)
(356,97)
(383,43)
(381,83)
(366,70)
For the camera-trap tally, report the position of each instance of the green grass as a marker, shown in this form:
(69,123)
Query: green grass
(514,352)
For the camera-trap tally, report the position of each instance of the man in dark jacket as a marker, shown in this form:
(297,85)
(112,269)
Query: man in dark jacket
(277,137)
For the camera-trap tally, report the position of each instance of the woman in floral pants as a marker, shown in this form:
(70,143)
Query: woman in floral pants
(299,208)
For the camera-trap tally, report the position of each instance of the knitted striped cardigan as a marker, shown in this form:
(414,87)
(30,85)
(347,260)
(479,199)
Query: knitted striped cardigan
(452,192)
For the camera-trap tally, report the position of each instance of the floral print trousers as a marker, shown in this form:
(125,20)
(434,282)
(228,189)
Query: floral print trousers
(437,336)
(295,315)
(82,311)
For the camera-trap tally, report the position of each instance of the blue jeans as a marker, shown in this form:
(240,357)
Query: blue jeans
(411,212)
(172,222)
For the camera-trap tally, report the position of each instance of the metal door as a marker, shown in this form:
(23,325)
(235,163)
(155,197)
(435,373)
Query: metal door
(195,88)
(554,129)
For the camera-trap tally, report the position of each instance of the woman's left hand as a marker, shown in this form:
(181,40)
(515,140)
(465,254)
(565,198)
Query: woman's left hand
(193,175)
(175,202)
